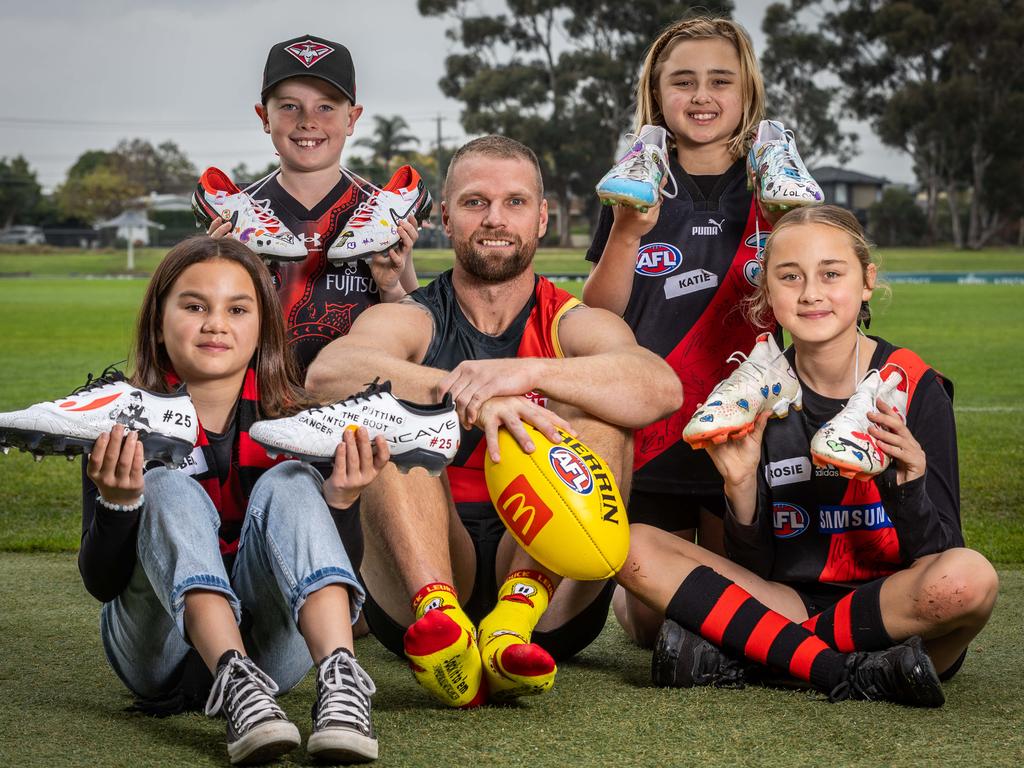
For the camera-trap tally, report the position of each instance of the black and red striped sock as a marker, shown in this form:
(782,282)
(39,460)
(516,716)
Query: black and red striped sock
(855,622)
(725,614)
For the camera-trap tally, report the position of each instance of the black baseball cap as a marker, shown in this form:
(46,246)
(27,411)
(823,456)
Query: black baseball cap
(309,56)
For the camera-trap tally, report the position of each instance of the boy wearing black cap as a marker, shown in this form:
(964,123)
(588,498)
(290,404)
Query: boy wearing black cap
(308,106)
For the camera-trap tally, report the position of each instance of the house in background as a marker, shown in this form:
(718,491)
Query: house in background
(850,189)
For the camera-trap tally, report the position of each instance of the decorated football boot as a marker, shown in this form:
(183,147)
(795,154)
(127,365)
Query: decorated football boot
(843,442)
(418,435)
(763,381)
(776,173)
(252,221)
(68,426)
(635,180)
(373,227)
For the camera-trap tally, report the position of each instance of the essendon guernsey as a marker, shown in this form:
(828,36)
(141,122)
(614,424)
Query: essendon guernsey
(533,333)
(693,270)
(320,300)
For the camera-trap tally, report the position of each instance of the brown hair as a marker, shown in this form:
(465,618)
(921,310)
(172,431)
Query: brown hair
(648,110)
(501,147)
(276,370)
(757,306)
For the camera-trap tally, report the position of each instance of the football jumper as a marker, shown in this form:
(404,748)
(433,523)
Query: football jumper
(320,300)
(533,333)
(693,270)
(814,528)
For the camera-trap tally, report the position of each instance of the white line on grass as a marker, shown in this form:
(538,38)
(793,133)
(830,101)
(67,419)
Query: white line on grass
(988,408)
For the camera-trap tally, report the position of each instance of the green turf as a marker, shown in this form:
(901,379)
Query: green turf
(62,705)
(57,330)
(59,262)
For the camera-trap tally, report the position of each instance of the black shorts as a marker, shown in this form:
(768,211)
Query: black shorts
(486,529)
(820,597)
(673,511)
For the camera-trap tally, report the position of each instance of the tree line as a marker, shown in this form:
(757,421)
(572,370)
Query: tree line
(940,80)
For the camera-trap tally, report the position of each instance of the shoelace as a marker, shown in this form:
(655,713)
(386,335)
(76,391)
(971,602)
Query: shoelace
(744,372)
(863,398)
(637,170)
(246,691)
(375,389)
(111,375)
(347,689)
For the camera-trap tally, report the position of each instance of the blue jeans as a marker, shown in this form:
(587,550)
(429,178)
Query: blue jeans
(288,549)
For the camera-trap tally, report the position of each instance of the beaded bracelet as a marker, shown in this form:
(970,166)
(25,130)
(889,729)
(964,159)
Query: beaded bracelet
(123,507)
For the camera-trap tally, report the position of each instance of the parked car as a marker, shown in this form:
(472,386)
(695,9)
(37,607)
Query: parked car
(22,235)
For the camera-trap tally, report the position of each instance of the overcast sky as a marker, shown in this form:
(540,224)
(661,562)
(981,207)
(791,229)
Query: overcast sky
(83,75)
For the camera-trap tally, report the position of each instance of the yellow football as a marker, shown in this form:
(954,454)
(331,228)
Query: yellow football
(561,503)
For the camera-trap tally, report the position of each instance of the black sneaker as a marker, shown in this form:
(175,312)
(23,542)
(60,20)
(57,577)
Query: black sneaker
(258,730)
(342,731)
(903,674)
(684,659)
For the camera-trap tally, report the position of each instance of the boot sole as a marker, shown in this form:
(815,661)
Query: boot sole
(431,461)
(337,745)
(264,743)
(848,471)
(156,447)
(721,435)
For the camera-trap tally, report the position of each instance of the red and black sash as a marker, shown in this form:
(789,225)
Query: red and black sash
(230,495)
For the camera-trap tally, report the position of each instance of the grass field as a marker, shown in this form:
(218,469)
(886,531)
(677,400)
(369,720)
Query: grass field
(53,262)
(61,705)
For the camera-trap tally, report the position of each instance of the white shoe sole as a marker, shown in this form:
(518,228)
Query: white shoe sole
(340,745)
(264,743)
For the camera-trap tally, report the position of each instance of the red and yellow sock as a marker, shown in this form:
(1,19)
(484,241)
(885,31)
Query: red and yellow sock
(442,650)
(513,666)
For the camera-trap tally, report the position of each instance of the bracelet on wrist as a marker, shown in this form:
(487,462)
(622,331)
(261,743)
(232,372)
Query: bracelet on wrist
(123,507)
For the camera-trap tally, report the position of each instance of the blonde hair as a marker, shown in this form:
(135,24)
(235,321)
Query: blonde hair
(648,110)
(758,307)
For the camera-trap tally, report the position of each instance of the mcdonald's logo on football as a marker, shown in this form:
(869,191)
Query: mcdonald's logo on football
(522,510)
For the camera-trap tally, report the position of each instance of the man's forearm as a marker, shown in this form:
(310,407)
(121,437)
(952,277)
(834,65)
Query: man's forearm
(630,388)
(343,369)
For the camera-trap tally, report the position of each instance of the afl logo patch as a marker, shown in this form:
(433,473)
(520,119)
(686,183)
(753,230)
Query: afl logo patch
(656,259)
(788,520)
(570,469)
(752,271)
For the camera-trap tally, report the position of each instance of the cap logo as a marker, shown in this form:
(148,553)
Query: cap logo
(309,52)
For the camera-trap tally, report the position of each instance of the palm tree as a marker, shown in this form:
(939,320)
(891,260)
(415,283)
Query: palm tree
(390,138)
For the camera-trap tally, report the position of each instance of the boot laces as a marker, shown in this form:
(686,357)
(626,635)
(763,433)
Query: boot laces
(246,693)
(111,375)
(344,690)
(638,166)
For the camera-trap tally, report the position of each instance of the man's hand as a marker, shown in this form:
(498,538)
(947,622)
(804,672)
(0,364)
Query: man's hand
(387,267)
(115,466)
(357,462)
(473,382)
(510,412)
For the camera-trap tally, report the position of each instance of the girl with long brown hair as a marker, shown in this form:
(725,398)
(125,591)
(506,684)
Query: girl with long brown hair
(226,574)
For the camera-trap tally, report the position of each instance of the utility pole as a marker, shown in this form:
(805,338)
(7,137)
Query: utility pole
(440,170)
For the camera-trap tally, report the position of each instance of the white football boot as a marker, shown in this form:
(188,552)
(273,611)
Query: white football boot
(418,435)
(635,180)
(843,442)
(763,381)
(373,227)
(252,221)
(776,173)
(166,424)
